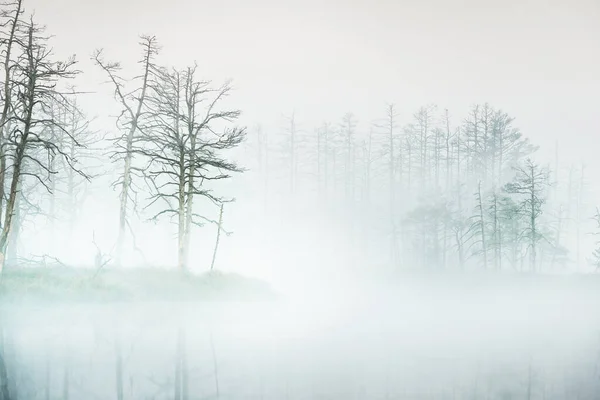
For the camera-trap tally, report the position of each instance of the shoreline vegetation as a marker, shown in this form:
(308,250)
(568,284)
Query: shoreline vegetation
(78,285)
(65,284)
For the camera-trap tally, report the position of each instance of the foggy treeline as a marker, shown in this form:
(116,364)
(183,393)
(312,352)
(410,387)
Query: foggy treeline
(423,188)
(441,191)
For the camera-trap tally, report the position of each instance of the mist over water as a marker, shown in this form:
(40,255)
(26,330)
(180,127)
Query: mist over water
(513,337)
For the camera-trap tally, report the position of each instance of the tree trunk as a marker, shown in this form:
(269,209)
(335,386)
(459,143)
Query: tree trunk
(126,184)
(189,205)
(497,240)
(482,227)
(73,205)
(392,183)
(579,204)
(559,229)
(220,222)
(181,214)
(10,208)
(52,184)
(29,100)
(7,101)
(13,240)
(448,169)
(533,226)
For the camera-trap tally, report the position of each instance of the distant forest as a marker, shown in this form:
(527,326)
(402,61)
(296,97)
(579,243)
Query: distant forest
(446,192)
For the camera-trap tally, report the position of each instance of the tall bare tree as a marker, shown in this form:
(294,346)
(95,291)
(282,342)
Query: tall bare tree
(182,145)
(595,258)
(529,186)
(12,14)
(37,81)
(132,102)
(392,148)
(479,227)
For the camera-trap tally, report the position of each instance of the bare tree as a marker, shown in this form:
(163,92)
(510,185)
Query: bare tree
(128,122)
(478,227)
(182,145)
(13,14)
(219,229)
(595,259)
(579,213)
(529,186)
(83,145)
(448,138)
(68,188)
(323,135)
(393,151)
(495,234)
(28,146)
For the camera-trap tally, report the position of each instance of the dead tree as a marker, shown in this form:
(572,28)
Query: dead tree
(83,145)
(219,229)
(36,80)
(13,14)
(128,122)
(448,138)
(579,214)
(182,146)
(478,227)
(391,120)
(529,188)
(595,259)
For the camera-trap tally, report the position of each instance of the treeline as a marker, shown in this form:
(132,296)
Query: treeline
(171,135)
(441,191)
(433,191)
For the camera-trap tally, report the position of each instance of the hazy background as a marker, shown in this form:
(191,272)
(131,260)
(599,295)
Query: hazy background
(441,335)
(536,60)
(539,60)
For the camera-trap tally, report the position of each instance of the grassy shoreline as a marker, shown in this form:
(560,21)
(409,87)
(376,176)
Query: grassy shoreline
(33,284)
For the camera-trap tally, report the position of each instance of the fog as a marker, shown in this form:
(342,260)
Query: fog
(299,200)
(446,339)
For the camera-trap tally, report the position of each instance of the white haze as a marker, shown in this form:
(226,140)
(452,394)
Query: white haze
(348,326)
(432,338)
(536,60)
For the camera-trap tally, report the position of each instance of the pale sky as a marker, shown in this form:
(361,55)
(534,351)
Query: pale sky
(538,60)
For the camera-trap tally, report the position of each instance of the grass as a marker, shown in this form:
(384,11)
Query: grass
(61,284)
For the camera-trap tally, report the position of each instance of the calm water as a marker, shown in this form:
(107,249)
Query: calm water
(409,342)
